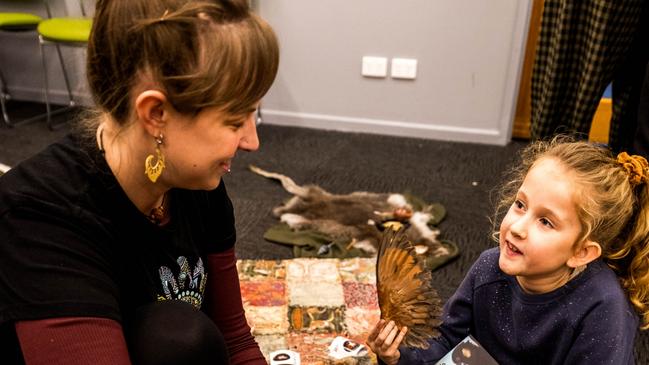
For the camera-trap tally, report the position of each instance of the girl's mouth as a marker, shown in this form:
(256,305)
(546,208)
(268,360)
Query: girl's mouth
(512,250)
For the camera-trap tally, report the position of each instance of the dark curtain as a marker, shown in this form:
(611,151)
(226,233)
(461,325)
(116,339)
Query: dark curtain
(583,46)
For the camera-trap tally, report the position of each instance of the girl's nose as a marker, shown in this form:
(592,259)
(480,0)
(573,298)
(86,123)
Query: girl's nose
(249,141)
(519,228)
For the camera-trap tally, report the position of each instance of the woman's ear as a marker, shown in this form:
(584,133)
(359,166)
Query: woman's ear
(151,109)
(588,252)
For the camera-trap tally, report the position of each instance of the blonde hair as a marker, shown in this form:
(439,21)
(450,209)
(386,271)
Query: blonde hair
(613,211)
(200,53)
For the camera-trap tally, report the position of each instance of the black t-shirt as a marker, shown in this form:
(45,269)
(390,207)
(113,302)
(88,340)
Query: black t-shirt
(73,244)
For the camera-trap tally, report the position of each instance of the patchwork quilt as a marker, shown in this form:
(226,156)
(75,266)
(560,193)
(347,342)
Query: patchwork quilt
(303,304)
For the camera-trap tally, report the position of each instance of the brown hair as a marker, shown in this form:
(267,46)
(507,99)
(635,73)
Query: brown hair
(613,211)
(199,53)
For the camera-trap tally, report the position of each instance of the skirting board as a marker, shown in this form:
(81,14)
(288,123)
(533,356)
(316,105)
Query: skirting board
(325,121)
(384,127)
(57,97)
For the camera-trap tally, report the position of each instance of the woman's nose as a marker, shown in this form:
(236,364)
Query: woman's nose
(249,141)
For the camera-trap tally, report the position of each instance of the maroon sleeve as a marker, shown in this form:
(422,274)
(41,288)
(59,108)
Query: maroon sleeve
(72,340)
(223,304)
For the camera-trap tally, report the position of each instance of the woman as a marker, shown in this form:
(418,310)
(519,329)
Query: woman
(116,243)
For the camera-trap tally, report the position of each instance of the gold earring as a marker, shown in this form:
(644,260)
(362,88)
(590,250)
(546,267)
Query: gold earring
(152,171)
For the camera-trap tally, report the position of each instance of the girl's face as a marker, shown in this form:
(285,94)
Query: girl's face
(200,149)
(539,232)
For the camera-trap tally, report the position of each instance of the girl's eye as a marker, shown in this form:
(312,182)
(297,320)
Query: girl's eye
(546,222)
(519,204)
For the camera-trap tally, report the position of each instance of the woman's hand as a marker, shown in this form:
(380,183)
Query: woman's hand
(385,339)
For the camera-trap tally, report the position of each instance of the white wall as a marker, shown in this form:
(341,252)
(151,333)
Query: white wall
(469,54)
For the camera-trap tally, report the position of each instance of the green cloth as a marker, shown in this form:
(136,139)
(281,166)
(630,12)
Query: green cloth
(437,211)
(309,244)
(434,262)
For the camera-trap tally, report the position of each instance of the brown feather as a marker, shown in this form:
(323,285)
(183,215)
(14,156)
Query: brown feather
(405,291)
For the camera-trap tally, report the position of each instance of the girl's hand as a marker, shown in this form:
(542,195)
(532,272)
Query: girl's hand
(385,339)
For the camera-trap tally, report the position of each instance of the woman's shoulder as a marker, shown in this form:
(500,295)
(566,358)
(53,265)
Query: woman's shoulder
(55,178)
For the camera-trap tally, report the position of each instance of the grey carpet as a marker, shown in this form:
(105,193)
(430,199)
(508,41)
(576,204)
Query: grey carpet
(22,141)
(460,176)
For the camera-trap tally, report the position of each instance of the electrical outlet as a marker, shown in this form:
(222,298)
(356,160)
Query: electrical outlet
(374,66)
(404,68)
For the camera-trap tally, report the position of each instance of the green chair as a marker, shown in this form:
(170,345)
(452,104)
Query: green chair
(15,22)
(61,31)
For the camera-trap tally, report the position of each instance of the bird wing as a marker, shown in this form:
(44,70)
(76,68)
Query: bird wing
(405,289)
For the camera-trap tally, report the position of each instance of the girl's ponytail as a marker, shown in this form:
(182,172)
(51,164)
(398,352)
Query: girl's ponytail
(630,258)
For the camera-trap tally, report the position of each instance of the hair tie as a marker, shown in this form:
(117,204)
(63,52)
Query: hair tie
(636,167)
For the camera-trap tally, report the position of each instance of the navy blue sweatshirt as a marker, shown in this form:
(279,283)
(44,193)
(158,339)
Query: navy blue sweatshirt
(589,320)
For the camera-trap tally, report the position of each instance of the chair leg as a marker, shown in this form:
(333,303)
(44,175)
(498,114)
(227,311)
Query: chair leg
(4,97)
(48,106)
(46,89)
(65,76)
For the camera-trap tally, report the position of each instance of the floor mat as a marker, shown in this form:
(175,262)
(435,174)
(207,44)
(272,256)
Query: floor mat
(303,304)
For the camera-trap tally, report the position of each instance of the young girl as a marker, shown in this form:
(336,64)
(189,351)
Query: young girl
(570,275)
(117,242)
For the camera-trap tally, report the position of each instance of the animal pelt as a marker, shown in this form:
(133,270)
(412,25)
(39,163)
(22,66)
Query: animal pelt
(357,218)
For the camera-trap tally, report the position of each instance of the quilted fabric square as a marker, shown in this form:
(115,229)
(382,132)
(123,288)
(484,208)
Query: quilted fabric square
(264,293)
(303,304)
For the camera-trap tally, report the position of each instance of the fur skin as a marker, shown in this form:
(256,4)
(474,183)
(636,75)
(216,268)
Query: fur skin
(352,217)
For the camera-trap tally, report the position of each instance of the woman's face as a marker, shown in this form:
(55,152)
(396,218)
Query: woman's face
(200,149)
